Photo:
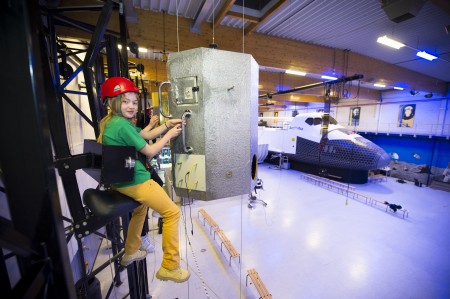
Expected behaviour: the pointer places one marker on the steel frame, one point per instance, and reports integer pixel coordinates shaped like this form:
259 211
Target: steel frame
36 235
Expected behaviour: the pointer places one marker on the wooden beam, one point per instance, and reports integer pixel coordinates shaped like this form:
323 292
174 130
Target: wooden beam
201 15
247 18
273 9
154 70
223 11
270 82
442 4
296 98
266 50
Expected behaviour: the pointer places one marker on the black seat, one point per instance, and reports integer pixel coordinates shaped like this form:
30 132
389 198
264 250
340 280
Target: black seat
108 203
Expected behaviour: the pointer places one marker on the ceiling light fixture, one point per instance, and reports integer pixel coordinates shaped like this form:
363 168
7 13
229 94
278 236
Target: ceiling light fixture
120 47
328 77
379 85
390 42
426 55
398 88
297 73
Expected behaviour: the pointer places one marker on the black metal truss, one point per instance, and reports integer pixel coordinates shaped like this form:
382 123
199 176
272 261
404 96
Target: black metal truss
26 156
35 209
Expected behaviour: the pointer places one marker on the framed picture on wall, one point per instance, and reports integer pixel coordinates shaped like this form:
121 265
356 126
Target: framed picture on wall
406 115
355 113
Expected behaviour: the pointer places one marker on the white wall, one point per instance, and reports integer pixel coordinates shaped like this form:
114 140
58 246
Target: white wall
431 115
368 113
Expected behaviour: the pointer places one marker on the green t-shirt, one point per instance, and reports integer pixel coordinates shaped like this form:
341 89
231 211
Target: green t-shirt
119 131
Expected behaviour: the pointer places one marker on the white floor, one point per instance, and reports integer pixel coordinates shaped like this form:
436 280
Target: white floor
309 243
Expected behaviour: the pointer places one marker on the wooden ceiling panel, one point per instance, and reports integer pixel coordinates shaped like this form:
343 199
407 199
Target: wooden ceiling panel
267 51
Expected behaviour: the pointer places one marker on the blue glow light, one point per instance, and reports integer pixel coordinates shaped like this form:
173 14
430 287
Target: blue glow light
426 55
328 77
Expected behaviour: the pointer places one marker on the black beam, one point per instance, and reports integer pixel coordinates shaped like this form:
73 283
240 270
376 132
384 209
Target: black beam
314 85
84 116
65 21
123 41
73 53
5 283
58 128
65 41
100 78
88 160
15 241
32 284
117 244
26 152
89 60
83 222
97 36
53 50
87 226
112 56
105 264
79 93
78 8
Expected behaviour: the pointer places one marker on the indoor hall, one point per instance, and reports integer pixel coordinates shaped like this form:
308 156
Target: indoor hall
310 242
228 96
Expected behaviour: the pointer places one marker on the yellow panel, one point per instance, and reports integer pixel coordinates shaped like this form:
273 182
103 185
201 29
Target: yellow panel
155 99
190 172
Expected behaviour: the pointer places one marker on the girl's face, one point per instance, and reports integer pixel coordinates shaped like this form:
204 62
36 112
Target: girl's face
129 104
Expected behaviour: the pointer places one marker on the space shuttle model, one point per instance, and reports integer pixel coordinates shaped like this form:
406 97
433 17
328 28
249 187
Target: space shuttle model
327 150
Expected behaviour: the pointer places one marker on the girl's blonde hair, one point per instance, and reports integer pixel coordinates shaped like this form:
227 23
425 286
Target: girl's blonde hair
114 104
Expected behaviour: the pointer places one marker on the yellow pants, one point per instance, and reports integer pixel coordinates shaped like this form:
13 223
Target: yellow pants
151 195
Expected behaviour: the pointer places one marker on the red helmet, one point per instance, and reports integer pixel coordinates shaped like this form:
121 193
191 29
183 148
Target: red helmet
117 85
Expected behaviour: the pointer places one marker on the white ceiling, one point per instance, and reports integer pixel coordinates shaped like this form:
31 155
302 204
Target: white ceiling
354 25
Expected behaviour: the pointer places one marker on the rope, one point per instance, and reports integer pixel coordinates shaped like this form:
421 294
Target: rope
213 21
354 126
178 36
199 272
154 243
188 242
243 26
241 241
110 264
242 252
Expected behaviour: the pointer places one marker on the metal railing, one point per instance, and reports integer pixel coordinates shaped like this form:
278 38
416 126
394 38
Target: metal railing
429 130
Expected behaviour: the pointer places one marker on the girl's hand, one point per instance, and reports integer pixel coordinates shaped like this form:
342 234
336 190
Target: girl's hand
173 122
174 132
154 120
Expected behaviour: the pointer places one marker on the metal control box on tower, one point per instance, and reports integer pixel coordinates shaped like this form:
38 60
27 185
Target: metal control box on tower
216 92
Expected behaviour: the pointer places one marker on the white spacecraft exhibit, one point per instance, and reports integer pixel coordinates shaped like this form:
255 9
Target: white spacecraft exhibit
216 93
329 150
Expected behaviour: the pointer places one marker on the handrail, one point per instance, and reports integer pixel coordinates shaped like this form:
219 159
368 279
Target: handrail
186 114
160 99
